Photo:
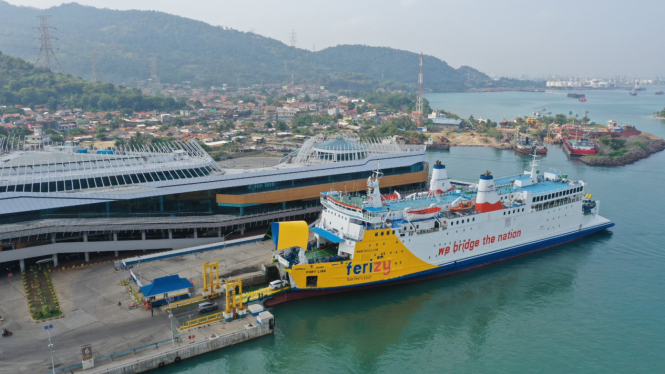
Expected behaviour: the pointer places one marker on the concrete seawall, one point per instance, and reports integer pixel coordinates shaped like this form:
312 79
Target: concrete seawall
175 355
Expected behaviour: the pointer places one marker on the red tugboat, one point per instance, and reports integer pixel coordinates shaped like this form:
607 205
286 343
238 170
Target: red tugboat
582 99
579 147
659 92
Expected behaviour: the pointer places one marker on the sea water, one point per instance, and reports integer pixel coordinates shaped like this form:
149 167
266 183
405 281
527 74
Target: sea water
596 305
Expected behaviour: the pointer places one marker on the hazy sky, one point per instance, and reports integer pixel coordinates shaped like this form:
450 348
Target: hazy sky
498 37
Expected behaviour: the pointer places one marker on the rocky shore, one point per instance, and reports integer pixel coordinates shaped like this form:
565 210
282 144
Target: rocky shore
636 148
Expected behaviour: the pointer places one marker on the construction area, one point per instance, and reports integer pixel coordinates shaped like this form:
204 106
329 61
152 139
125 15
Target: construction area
105 314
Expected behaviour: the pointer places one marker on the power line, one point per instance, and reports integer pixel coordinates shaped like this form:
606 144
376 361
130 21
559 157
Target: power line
47 58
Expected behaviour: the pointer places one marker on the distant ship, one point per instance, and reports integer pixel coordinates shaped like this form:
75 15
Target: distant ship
633 93
575 95
523 145
659 92
579 147
540 148
582 99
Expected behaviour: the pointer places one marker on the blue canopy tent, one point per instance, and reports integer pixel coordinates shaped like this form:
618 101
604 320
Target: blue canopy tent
169 288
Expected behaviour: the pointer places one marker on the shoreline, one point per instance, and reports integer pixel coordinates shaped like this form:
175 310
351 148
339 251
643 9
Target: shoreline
637 147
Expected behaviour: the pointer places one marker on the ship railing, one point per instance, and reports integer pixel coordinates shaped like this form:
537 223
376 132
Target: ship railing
546 192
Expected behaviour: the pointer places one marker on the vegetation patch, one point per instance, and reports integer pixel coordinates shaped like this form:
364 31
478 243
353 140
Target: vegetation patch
618 153
39 290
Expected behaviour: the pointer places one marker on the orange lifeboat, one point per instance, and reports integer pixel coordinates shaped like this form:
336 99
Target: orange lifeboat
463 206
418 214
392 196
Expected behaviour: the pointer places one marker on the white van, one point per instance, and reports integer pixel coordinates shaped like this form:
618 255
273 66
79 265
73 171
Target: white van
275 285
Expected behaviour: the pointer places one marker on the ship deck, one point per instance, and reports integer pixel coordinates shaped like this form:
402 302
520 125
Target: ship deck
504 185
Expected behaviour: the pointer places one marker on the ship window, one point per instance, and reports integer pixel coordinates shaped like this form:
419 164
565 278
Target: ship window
381 233
467 220
376 234
504 213
474 219
312 281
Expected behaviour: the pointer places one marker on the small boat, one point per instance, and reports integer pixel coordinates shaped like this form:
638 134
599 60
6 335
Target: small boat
582 99
659 92
418 214
540 148
463 206
633 93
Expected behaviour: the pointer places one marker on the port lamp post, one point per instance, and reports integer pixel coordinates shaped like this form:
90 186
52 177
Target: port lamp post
171 319
50 345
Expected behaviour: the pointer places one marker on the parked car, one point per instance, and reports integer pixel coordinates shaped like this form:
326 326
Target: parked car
276 285
207 306
44 261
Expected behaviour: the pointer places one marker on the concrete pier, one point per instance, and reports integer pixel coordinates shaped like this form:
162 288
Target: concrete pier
214 337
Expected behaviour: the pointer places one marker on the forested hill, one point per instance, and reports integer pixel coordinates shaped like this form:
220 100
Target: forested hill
189 50
23 83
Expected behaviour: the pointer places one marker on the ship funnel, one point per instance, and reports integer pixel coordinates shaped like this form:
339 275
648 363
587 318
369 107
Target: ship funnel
439 179
487 200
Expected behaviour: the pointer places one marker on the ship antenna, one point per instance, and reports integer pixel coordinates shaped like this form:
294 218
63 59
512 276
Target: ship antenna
534 164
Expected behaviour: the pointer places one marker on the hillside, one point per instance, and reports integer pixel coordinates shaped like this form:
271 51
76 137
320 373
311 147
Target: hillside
21 83
189 50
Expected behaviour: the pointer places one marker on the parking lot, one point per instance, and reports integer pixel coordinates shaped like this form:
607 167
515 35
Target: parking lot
89 298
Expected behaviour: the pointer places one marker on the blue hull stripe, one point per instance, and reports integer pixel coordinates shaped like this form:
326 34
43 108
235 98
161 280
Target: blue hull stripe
475 261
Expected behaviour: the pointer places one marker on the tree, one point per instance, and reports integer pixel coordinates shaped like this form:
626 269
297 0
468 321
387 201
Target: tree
281 125
560 119
100 132
137 140
75 131
177 123
267 125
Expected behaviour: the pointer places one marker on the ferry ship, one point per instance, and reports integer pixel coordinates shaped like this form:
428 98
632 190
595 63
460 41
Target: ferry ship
376 240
